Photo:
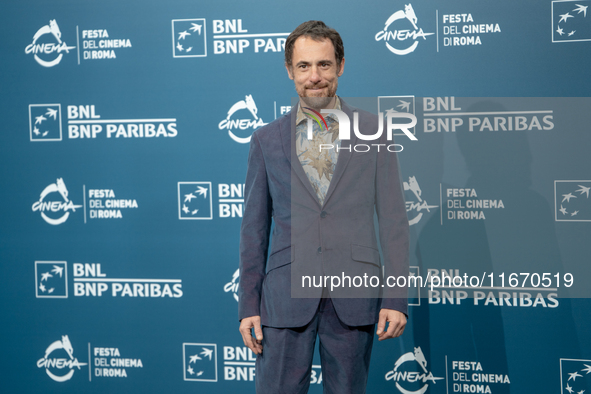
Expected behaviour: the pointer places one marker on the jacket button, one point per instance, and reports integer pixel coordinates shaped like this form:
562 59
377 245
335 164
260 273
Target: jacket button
323 214
319 251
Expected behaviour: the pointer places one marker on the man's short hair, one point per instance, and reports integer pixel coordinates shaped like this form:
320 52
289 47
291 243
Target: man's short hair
317 31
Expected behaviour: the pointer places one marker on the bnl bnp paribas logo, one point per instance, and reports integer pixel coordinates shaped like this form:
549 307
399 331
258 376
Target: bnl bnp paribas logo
399 106
195 200
45 122
570 22
47 46
51 279
575 376
84 123
200 362
230 36
59 361
401 32
189 38
571 201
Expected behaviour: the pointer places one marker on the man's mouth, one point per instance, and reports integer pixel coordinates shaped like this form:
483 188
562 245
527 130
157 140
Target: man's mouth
316 89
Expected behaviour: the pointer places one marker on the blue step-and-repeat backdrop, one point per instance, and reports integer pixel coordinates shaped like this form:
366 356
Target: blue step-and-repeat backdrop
125 130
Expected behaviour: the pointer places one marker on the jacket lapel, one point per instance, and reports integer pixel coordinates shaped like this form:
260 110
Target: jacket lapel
344 155
287 129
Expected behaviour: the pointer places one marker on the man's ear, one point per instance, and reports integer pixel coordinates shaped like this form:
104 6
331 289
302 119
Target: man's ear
289 71
341 68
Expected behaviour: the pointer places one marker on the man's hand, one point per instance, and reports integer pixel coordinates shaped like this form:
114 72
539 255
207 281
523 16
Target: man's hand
246 326
397 322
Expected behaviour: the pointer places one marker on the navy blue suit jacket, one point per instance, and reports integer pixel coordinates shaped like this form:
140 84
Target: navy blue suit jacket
337 238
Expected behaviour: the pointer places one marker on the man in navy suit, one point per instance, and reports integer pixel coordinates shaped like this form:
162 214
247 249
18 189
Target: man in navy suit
321 196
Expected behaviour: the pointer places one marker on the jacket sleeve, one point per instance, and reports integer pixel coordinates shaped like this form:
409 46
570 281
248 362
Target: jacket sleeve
254 232
393 228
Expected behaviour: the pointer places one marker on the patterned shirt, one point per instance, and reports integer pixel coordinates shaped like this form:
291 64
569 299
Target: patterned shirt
318 165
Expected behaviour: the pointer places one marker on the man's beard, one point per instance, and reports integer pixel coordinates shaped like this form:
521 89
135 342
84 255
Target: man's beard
317 102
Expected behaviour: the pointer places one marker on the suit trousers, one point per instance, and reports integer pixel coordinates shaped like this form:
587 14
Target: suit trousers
285 366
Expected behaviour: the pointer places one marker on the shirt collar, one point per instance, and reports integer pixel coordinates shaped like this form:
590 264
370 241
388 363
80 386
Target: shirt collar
301 116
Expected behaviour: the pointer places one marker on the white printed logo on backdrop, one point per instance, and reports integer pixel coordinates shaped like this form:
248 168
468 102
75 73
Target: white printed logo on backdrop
571 201
51 279
412 375
414 201
59 361
401 33
45 122
54 205
245 122
194 199
230 36
189 38
570 22
84 122
200 362
408 378
47 46
575 376
232 286
392 104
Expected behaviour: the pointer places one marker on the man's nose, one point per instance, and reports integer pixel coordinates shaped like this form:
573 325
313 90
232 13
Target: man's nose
315 75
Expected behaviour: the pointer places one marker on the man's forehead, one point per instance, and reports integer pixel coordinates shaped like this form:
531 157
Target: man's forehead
306 45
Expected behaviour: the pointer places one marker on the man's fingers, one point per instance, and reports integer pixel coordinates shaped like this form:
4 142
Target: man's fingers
400 330
387 334
381 323
401 326
396 323
258 332
247 338
246 326
392 329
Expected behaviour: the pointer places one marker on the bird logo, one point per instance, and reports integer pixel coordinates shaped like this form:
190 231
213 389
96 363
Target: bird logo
200 361
45 122
189 38
51 279
576 375
572 200
572 22
194 200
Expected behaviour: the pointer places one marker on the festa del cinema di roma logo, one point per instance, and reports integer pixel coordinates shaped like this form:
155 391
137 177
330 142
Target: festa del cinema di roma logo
397 31
54 361
414 382
47 46
236 125
47 204
417 203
